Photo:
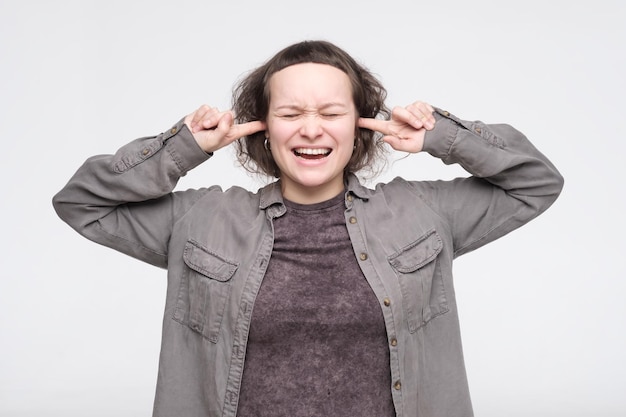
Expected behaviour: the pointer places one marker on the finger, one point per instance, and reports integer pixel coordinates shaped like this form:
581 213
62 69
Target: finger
376 125
211 119
422 106
190 119
223 126
246 129
413 145
399 144
216 137
424 112
199 115
427 111
403 115
393 141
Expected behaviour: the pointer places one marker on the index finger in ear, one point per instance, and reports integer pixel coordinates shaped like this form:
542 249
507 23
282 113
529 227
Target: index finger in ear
248 128
373 124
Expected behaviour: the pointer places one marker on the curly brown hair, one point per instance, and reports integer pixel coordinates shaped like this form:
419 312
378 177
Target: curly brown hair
251 100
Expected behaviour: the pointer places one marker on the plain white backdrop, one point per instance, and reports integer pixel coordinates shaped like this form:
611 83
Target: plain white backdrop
542 310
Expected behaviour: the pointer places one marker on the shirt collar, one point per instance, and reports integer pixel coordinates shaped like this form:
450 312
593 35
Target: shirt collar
271 194
354 187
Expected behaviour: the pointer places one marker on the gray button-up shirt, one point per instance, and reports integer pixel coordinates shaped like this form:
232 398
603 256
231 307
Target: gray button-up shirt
216 246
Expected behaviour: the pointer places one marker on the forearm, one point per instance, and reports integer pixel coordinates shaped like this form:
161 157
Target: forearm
512 182
498 153
112 199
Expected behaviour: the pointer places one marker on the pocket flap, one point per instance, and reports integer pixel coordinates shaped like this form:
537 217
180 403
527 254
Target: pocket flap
417 254
207 263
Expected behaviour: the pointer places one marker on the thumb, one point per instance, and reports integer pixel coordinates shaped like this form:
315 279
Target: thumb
393 141
224 124
413 144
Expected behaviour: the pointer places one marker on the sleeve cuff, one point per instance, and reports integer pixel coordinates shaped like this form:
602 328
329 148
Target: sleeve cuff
439 141
183 148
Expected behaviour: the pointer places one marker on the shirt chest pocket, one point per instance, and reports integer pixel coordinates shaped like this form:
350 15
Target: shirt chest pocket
204 290
419 275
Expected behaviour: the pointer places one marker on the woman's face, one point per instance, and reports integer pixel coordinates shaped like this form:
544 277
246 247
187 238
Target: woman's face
311 124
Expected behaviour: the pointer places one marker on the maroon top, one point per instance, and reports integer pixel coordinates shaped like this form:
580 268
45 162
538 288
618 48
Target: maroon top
317 343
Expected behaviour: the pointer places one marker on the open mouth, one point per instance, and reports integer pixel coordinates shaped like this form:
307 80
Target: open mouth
308 153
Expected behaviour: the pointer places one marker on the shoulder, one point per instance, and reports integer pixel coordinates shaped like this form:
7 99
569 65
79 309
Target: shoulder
237 199
398 186
397 192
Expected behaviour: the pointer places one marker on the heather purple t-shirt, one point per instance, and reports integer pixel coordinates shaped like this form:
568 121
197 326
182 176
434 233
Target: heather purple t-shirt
317 343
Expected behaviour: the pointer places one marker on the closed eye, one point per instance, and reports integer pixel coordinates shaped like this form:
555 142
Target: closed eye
332 115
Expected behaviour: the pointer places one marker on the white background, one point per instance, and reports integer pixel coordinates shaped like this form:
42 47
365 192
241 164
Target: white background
542 310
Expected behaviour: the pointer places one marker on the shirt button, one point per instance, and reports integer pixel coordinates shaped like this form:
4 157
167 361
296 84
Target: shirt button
173 130
446 113
350 197
478 130
363 256
397 386
386 302
352 220
145 151
394 342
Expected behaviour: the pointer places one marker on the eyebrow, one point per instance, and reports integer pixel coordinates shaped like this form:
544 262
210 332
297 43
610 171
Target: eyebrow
322 107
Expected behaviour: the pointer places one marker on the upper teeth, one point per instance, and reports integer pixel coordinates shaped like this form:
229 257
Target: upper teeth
309 151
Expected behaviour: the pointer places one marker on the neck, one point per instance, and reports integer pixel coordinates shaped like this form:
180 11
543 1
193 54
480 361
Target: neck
310 195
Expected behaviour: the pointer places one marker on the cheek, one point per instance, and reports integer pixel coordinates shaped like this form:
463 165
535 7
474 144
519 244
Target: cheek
280 130
343 131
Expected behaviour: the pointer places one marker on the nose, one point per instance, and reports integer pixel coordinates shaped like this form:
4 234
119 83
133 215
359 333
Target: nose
311 127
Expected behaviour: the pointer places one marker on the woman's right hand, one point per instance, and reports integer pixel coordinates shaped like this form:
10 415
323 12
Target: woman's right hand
214 129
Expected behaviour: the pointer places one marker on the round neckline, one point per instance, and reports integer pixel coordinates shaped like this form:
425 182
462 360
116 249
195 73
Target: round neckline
331 203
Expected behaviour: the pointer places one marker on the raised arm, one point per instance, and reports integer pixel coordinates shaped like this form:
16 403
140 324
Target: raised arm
511 182
125 201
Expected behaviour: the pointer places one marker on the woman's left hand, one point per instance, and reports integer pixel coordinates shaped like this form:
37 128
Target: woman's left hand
406 129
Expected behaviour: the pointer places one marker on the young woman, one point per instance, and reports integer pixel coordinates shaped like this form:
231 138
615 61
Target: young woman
315 295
